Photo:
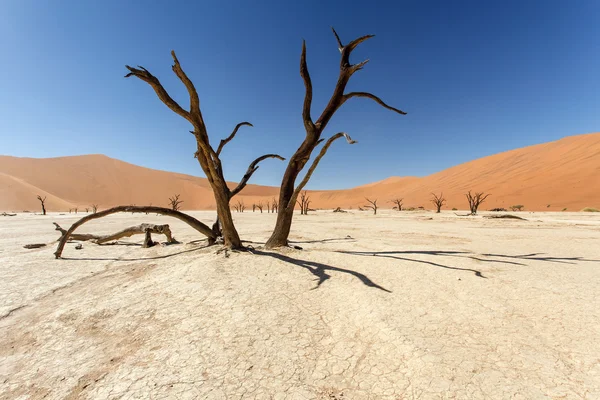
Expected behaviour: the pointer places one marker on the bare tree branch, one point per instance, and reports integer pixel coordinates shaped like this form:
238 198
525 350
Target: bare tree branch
308 123
143 74
315 163
230 137
339 41
189 85
251 169
372 97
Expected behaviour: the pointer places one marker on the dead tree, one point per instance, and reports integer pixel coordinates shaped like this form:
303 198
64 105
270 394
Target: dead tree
303 203
191 221
274 206
43 201
87 210
475 200
268 206
260 206
314 129
438 201
372 205
253 207
207 156
127 232
398 204
75 209
175 203
239 207
95 208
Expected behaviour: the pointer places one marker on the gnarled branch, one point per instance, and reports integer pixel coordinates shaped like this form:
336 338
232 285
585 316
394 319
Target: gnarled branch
308 123
230 137
189 85
315 163
251 169
372 97
143 74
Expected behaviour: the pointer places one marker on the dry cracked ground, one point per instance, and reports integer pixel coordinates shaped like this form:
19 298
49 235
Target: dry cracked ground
410 305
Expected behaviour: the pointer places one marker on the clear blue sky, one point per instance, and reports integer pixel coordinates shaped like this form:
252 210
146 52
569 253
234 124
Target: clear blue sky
476 78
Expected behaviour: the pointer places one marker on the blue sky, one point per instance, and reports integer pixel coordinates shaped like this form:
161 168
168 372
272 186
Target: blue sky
476 78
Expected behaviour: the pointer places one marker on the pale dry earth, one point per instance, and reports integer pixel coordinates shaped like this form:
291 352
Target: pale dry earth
545 177
402 305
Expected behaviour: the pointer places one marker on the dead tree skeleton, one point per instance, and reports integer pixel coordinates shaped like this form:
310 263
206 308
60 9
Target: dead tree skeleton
475 200
289 191
175 203
398 204
207 156
372 205
239 206
304 202
260 206
191 221
43 201
438 201
274 206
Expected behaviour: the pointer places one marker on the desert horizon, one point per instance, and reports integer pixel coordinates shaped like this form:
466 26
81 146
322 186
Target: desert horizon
551 176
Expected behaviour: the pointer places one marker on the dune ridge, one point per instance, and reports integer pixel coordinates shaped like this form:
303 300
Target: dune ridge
549 176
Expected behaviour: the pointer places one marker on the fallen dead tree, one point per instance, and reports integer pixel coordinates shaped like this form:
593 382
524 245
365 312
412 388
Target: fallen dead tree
127 232
191 221
505 216
8 215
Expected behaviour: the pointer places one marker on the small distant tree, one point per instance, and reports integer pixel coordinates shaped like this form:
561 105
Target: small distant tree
372 205
518 207
87 210
274 206
43 201
95 208
75 209
268 205
239 206
175 203
304 203
260 206
475 200
438 201
398 204
253 207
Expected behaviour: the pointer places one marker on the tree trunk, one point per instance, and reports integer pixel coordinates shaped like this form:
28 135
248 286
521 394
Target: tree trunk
280 234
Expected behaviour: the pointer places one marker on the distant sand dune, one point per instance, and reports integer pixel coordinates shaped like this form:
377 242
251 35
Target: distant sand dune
562 174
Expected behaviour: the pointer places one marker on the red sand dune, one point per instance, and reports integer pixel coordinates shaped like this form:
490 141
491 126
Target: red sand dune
562 174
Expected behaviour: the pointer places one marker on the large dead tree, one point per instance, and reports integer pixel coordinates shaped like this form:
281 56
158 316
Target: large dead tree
191 221
314 129
438 201
175 203
43 201
207 156
304 202
398 204
475 200
372 205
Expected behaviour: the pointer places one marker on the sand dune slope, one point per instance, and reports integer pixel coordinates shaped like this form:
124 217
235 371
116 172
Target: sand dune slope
549 176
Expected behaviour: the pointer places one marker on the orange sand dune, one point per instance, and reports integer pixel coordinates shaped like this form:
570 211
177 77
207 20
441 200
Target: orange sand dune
562 174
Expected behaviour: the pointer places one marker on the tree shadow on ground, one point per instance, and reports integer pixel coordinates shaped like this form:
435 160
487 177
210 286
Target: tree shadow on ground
134 259
394 255
344 239
540 257
320 270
